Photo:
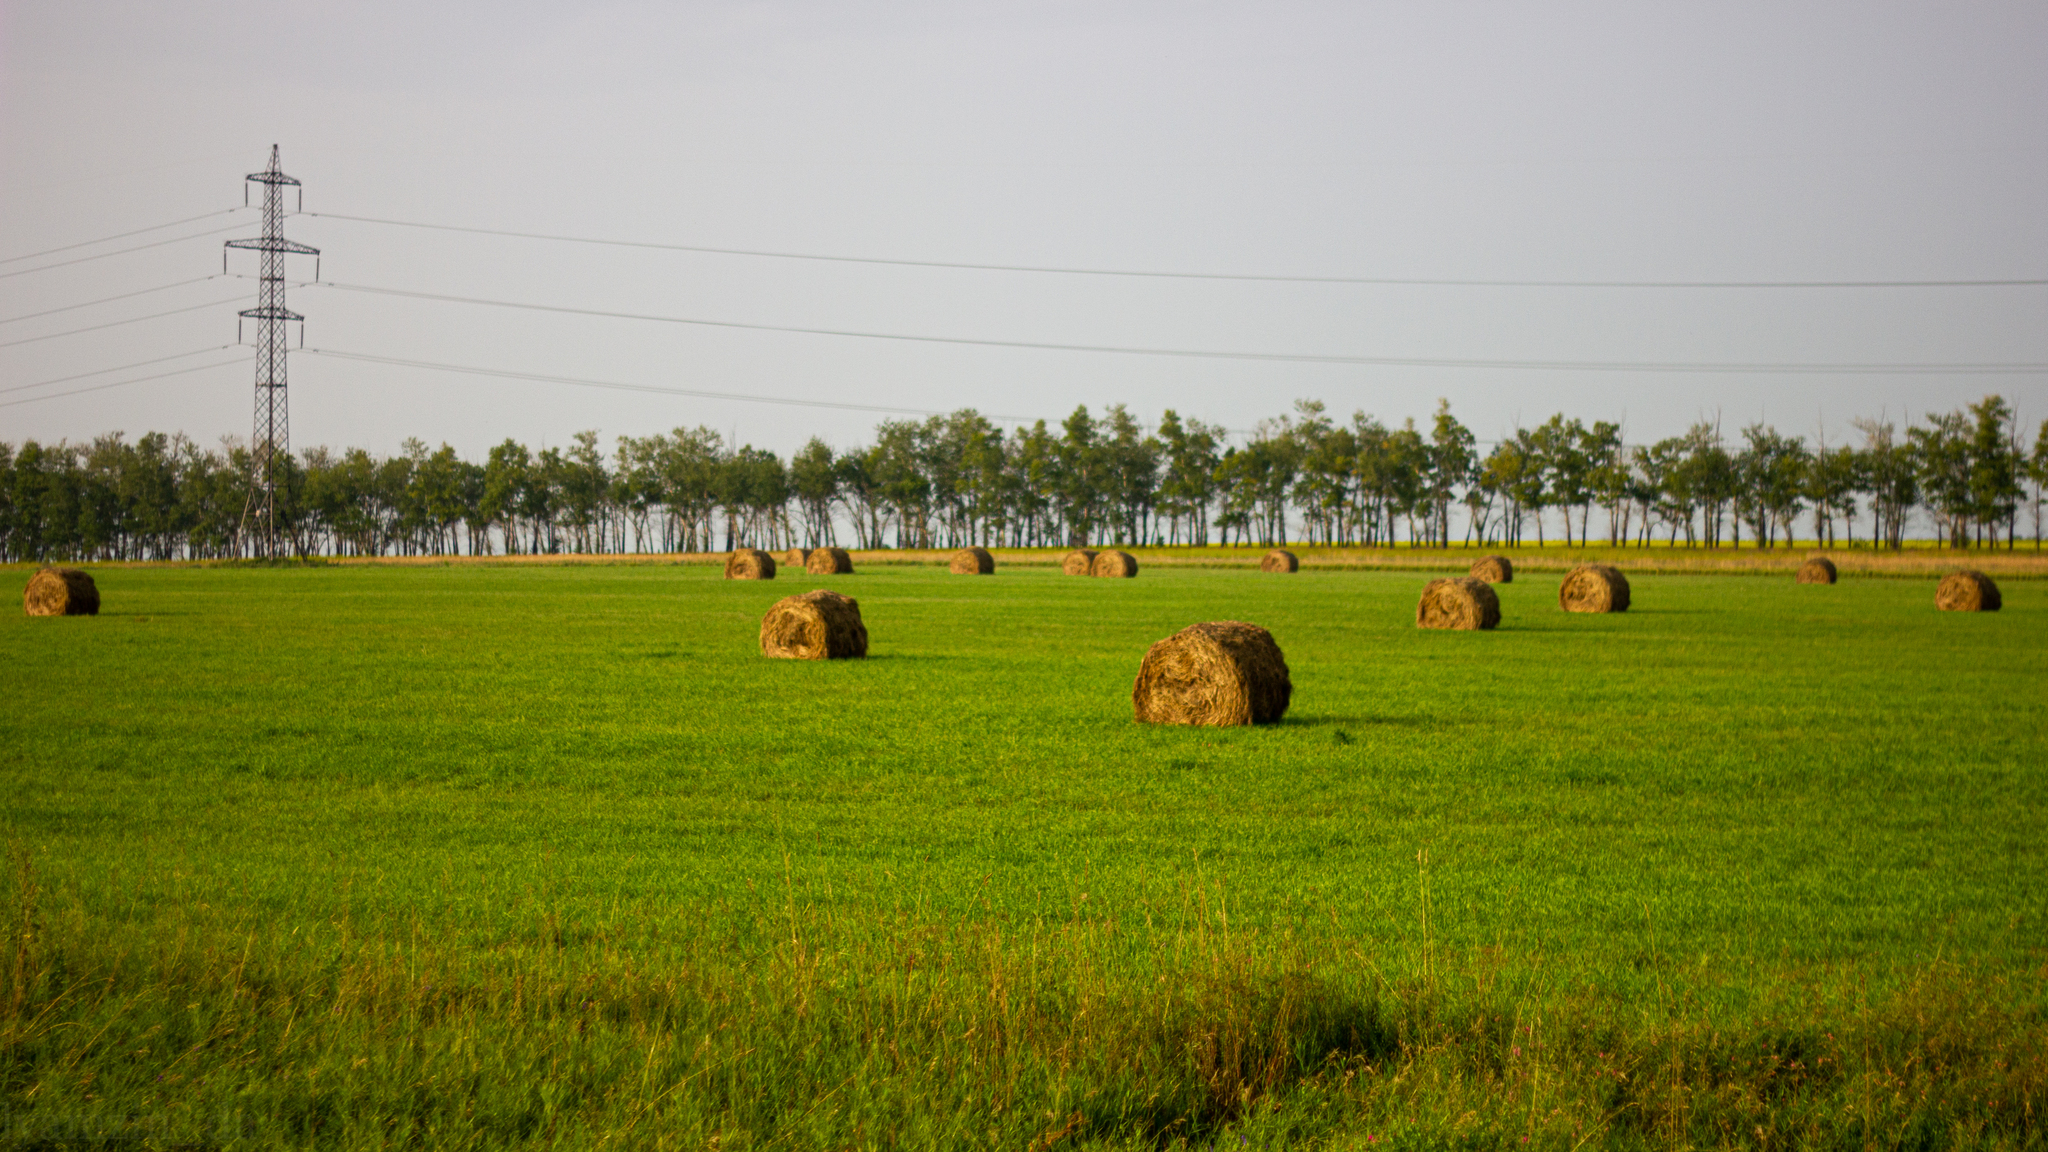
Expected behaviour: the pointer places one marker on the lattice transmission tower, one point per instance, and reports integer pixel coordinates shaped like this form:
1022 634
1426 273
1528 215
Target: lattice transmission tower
270 447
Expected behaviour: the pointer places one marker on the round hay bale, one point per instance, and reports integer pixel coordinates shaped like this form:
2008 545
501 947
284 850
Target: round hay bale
1593 588
796 557
1462 602
1114 564
1816 570
1967 591
1493 570
972 562
1079 562
828 562
61 592
1280 560
816 625
749 564
1219 674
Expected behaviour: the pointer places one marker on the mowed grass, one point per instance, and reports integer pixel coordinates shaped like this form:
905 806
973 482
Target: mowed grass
471 856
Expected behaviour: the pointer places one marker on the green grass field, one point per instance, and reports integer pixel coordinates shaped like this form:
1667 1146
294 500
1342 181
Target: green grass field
475 856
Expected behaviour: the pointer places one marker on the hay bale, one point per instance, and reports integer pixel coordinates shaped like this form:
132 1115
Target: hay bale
749 564
1593 588
796 557
972 562
1079 562
61 592
1461 602
1967 591
817 625
828 562
1816 570
1493 570
1119 564
1218 674
1280 560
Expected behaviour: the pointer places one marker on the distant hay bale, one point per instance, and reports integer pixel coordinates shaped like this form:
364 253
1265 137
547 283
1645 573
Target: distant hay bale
1967 591
1816 570
61 592
816 625
828 562
1114 563
1461 602
1593 588
1219 674
1280 560
972 562
1080 562
749 564
1493 570
796 557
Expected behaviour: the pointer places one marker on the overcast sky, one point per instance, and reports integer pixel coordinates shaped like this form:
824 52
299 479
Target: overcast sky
1627 141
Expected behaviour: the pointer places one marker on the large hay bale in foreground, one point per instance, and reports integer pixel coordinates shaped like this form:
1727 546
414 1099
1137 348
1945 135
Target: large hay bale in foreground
1967 591
1593 588
1493 570
61 592
796 557
749 564
972 562
828 562
1462 602
1816 570
817 625
1112 563
1217 674
1079 562
1280 560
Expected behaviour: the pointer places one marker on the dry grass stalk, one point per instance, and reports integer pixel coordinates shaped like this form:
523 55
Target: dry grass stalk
1079 562
1816 570
1115 564
1593 588
796 557
828 562
1461 602
61 592
1280 560
972 562
816 625
749 564
1493 570
1219 674
1967 591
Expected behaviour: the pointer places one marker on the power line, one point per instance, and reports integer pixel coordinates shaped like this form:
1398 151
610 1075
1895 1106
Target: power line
117 236
1268 357
119 323
124 383
117 252
1066 271
104 371
110 299
586 383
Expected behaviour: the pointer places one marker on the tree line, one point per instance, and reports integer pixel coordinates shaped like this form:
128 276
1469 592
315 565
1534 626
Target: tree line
959 479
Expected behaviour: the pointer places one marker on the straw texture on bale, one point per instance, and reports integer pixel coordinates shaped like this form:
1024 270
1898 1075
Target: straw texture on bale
828 562
1967 591
1114 564
796 557
1593 588
1493 570
1461 602
749 564
1816 570
817 625
1079 562
1280 560
972 562
61 592
1219 674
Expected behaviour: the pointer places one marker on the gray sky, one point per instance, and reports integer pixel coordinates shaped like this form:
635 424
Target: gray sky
1744 142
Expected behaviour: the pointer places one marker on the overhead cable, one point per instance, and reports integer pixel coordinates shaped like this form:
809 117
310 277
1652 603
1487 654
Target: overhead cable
125 383
1068 271
119 323
110 299
118 252
118 236
1268 357
122 368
